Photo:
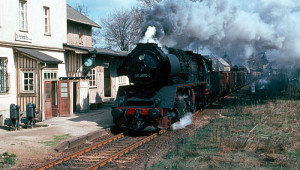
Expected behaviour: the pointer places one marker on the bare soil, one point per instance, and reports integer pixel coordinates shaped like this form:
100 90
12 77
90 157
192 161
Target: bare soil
31 152
33 147
155 151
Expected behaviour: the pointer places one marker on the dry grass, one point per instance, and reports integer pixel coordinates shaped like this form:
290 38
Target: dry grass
256 133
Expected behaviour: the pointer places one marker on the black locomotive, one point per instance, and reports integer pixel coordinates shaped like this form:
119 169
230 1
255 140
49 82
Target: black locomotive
165 84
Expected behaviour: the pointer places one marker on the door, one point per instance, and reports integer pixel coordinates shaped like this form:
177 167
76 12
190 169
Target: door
82 96
54 98
74 97
64 98
48 100
107 83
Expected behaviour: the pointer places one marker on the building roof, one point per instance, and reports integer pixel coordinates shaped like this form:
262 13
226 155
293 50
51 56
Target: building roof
222 61
218 63
39 55
75 16
97 51
102 51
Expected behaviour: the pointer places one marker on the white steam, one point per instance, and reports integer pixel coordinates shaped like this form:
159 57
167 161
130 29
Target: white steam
149 35
238 28
262 83
183 122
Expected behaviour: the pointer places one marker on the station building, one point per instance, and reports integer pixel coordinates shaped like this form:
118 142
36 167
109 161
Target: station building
43 47
32 34
88 69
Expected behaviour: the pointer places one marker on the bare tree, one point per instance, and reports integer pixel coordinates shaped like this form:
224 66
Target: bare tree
149 3
81 8
96 36
121 29
138 17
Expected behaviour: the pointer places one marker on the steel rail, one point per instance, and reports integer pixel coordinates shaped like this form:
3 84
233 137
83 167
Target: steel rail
124 151
75 154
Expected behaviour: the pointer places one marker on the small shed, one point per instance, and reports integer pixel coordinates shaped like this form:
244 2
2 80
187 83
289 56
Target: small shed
102 86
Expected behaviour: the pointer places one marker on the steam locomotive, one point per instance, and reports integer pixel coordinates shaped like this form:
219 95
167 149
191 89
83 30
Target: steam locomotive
166 83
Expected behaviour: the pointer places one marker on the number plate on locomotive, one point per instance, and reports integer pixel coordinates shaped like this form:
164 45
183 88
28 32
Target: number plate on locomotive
142 75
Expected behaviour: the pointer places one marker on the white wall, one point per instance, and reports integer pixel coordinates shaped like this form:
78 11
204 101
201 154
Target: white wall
10 97
58 21
61 67
53 43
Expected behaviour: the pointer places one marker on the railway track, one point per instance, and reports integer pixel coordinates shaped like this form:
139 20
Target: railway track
99 154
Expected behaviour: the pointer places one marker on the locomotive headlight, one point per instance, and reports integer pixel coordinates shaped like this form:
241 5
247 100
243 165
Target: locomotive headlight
121 101
142 57
156 102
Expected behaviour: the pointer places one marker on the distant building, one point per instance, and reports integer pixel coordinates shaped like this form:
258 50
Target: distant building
258 62
88 68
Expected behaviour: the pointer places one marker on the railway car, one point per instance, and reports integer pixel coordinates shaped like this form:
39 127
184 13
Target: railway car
235 79
166 83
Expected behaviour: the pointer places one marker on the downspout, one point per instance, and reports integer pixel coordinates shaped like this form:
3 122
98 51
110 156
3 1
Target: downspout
41 96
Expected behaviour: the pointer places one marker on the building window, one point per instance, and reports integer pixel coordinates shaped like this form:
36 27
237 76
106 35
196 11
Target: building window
92 75
47 20
22 15
28 81
50 76
122 79
3 75
64 90
80 34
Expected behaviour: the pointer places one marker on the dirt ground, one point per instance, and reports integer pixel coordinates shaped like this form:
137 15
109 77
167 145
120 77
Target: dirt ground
31 148
154 151
34 146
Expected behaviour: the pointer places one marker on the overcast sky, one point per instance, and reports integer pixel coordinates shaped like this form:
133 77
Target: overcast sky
101 8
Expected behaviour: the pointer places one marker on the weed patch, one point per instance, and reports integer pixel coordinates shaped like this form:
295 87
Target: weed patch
7 160
257 133
56 140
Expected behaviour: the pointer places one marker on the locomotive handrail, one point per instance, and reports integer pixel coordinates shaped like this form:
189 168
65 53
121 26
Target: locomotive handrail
192 84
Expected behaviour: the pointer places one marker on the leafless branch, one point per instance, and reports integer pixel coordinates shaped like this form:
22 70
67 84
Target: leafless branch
121 28
81 8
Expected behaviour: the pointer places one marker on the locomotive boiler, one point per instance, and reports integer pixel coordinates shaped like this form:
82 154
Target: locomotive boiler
165 83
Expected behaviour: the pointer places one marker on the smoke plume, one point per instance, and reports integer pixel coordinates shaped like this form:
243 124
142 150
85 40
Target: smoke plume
183 122
237 28
262 83
149 35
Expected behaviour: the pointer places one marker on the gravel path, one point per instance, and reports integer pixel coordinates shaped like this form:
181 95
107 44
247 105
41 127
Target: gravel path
28 144
32 146
155 151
